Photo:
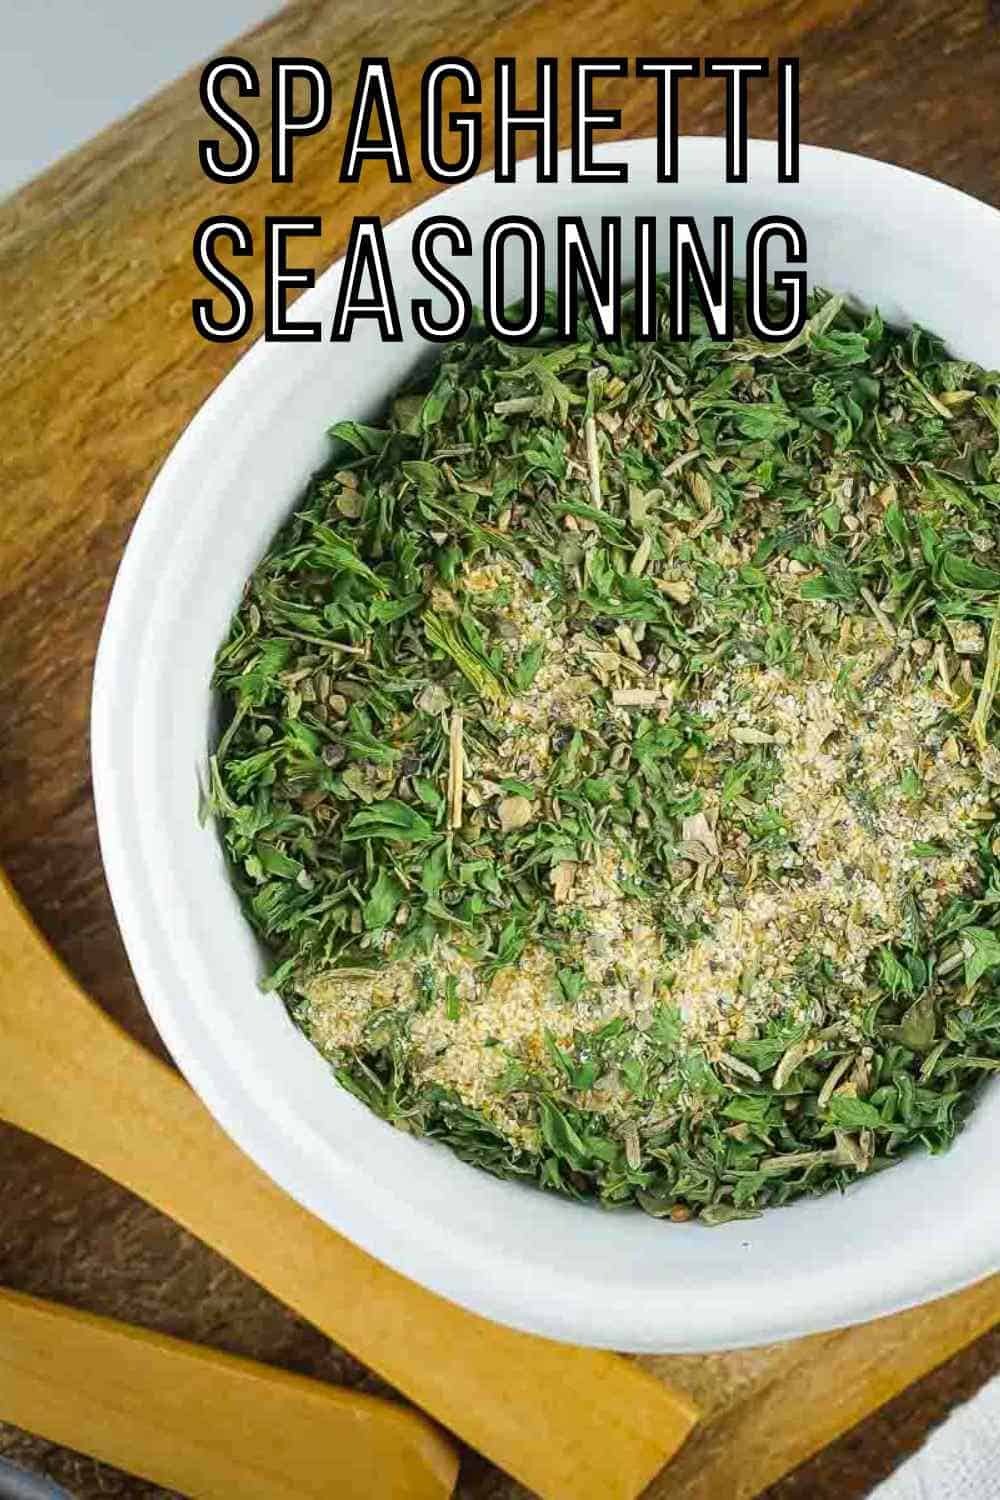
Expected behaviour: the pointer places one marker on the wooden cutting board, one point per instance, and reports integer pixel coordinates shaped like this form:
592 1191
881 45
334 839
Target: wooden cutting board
99 372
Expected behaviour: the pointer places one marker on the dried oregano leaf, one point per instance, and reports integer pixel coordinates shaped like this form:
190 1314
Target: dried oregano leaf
610 757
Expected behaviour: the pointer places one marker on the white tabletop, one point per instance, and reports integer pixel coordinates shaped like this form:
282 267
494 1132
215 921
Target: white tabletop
68 68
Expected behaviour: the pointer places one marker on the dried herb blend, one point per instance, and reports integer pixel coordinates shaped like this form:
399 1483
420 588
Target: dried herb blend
611 759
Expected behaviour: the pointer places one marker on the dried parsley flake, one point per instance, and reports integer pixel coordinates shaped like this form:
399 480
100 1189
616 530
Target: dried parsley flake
611 759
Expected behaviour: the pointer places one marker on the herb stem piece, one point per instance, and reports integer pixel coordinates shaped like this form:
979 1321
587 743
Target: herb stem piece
989 685
885 624
456 778
593 462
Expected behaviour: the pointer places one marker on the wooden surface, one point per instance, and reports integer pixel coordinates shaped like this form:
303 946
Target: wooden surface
574 1424
209 1424
99 372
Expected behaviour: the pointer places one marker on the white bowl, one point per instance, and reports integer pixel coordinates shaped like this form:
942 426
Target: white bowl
922 252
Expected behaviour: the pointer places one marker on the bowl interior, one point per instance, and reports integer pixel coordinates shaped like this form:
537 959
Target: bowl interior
921 252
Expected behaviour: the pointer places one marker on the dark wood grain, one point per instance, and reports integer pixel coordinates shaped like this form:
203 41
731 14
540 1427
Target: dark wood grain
100 371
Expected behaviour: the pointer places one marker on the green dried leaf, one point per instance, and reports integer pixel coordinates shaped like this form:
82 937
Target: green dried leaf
383 901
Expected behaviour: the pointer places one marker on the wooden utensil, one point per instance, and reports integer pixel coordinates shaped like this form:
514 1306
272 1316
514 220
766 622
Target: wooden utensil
571 1424
208 1424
